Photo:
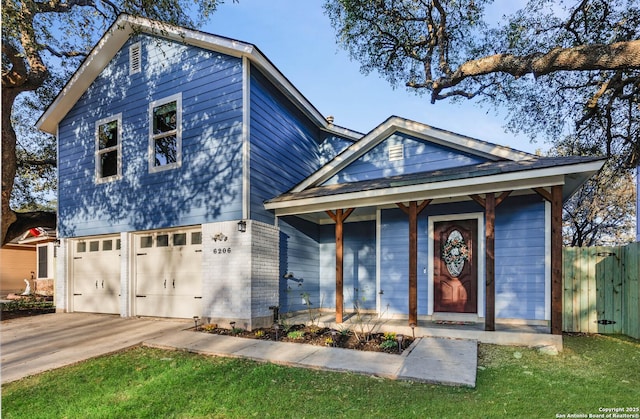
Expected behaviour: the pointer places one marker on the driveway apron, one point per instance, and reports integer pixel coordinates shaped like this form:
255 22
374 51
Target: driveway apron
31 345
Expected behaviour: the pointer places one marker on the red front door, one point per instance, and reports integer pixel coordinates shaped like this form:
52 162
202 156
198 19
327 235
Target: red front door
455 273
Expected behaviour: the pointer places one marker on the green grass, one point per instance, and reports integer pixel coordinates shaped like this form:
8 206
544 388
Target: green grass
592 372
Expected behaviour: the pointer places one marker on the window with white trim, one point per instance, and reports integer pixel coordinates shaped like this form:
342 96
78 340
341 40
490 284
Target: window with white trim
165 133
109 148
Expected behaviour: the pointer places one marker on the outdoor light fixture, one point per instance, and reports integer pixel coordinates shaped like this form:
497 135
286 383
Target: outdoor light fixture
413 331
334 336
276 312
242 226
276 327
195 320
399 338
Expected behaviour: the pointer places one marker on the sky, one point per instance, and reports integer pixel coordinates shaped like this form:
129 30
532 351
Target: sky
298 38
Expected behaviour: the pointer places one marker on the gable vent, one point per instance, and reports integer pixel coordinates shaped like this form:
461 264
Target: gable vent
135 61
396 152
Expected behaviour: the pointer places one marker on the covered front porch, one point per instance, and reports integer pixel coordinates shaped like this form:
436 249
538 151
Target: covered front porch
462 229
425 201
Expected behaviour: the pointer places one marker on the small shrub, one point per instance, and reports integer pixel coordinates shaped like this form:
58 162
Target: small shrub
390 336
209 327
295 334
388 344
329 341
259 333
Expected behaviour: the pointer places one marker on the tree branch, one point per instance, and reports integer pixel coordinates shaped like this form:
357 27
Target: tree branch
617 56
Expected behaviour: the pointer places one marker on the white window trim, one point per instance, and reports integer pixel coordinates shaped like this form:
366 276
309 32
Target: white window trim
118 148
173 98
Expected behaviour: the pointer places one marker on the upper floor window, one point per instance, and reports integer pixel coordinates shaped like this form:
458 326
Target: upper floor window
165 136
109 148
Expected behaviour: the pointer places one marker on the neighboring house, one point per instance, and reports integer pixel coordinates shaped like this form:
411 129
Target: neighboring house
30 257
196 180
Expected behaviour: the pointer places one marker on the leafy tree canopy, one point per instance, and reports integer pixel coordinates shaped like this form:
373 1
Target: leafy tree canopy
565 70
43 42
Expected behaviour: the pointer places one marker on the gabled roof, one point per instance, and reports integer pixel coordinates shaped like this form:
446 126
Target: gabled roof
395 124
502 175
126 25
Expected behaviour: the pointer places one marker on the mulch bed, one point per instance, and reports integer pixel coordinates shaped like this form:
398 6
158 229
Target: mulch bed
26 306
15 314
320 336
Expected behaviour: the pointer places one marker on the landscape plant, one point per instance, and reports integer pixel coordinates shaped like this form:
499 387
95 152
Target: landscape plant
365 324
296 334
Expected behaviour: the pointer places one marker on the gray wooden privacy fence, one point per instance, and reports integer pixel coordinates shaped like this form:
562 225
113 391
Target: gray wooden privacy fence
601 292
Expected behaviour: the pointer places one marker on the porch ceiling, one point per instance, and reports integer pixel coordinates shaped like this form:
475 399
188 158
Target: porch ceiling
453 184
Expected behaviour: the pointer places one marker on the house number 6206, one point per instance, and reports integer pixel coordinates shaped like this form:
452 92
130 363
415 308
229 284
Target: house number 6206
222 251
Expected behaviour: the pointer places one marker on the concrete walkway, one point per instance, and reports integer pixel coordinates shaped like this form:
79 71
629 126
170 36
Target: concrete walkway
432 360
35 344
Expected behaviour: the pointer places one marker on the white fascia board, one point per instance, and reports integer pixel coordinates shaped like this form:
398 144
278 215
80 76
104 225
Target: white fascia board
415 129
90 68
119 33
526 179
352 153
408 193
460 142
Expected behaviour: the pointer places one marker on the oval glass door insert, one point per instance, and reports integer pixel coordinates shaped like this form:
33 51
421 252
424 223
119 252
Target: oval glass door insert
454 253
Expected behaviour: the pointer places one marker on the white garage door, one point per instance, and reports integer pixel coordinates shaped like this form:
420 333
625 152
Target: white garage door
96 275
169 273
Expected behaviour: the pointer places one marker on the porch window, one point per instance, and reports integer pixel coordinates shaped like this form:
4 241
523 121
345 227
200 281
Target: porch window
165 136
109 149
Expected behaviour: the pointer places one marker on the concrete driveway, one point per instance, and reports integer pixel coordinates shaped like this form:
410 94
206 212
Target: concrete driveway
31 345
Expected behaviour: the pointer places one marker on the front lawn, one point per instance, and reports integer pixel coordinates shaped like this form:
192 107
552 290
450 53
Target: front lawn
593 373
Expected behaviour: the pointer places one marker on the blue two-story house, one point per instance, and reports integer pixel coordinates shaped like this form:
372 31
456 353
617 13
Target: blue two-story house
196 180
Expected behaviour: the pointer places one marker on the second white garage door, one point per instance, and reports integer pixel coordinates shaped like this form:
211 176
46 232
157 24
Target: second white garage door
168 273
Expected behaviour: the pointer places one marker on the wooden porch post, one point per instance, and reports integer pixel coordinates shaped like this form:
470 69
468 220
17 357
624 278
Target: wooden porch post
490 285
339 218
413 210
489 203
555 197
556 260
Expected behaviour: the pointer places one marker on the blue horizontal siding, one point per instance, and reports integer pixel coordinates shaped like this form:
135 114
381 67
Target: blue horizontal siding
300 256
394 262
520 258
419 156
208 185
285 146
331 146
519 253
359 277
